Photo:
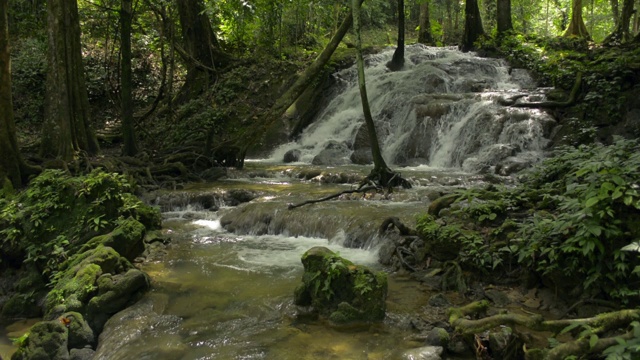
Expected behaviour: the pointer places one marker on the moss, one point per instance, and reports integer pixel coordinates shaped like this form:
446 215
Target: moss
126 239
21 306
46 340
340 290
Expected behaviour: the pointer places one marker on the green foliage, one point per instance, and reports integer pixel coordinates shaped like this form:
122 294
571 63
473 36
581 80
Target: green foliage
58 213
625 349
593 200
28 73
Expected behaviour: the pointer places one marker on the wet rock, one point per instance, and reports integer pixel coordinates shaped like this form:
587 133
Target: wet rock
292 155
437 337
511 165
80 334
441 203
361 156
340 290
423 353
505 344
47 341
458 346
499 298
333 154
438 300
114 293
81 354
239 196
214 173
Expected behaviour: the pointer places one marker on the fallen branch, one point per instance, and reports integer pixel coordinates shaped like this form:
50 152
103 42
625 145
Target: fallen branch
333 196
389 223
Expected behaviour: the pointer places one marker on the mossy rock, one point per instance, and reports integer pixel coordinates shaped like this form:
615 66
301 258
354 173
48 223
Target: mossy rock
21 306
78 283
47 340
440 203
80 334
340 290
127 239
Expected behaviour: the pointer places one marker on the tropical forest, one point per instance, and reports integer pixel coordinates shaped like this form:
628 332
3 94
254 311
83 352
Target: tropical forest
319 179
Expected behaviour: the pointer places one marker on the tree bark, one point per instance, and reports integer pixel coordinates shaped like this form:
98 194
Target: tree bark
576 25
472 25
424 34
615 11
504 16
67 127
378 161
201 52
10 159
130 147
397 61
621 33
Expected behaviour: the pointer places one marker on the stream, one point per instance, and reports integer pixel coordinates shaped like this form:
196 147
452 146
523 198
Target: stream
223 288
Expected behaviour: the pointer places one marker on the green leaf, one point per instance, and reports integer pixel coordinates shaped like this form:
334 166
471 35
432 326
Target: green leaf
593 340
634 246
628 200
569 328
591 201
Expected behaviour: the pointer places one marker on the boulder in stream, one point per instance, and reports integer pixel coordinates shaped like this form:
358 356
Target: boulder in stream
339 290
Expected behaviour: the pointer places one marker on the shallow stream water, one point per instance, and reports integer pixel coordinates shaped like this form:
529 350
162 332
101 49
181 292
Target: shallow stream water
223 295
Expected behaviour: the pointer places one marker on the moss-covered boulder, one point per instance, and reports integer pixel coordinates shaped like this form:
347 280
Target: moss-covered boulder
127 239
80 333
47 340
115 292
339 290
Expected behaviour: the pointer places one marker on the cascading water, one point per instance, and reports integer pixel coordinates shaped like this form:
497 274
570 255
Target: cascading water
442 110
223 289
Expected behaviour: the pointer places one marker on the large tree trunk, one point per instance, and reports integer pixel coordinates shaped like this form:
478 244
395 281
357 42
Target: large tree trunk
576 25
67 126
201 51
621 32
472 25
504 16
397 61
10 159
128 133
424 34
615 11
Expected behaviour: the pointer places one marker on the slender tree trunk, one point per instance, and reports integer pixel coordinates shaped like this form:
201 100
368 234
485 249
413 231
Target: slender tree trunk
10 159
472 25
448 33
615 11
621 33
380 174
128 131
67 126
424 34
504 16
397 61
576 25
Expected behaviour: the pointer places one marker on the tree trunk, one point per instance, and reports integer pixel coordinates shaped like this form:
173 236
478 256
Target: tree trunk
67 126
128 132
472 25
10 159
378 160
615 11
424 34
397 61
504 16
201 51
576 25
621 33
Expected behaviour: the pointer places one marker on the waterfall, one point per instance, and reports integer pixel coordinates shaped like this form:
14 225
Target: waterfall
442 110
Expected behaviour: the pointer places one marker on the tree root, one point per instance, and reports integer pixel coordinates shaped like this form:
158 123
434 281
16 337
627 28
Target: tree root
586 343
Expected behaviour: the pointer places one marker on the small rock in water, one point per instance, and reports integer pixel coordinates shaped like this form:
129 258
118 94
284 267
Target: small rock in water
423 353
292 155
439 300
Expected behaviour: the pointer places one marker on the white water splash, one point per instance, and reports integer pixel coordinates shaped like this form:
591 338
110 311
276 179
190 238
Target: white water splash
441 110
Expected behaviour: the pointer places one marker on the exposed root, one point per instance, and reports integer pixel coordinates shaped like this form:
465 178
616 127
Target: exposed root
333 196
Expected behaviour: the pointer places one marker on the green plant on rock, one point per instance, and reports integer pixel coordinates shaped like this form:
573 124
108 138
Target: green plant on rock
594 211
